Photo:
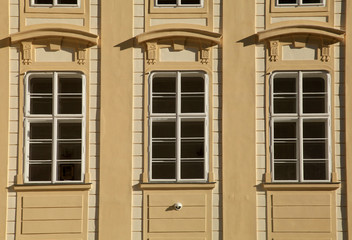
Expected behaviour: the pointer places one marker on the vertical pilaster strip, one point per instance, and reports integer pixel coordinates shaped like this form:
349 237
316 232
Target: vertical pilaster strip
4 116
348 114
115 190
239 126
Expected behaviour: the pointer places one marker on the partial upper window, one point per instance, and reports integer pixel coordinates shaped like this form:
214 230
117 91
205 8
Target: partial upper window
178 3
55 3
300 126
178 126
54 127
300 2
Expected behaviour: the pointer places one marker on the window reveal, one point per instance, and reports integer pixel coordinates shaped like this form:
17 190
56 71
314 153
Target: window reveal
178 126
300 126
54 127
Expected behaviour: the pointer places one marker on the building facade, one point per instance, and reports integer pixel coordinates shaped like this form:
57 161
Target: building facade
175 119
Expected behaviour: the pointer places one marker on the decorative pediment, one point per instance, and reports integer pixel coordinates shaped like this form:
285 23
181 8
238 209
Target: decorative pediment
183 40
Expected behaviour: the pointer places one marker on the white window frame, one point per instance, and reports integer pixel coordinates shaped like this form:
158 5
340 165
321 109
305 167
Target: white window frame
177 118
56 4
179 4
300 3
53 118
299 117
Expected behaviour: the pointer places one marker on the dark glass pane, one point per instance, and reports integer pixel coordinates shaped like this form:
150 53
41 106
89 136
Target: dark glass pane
164 150
192 103
68 130
311 1
314 150
166 1
192 149
70 85
287 1
314 129
192 84
285 85
69 150
69 171
40 131
192 129
43 1
313 84
40 151
70 105
39 172
285 130
40 85
184 2
285 104
164 84
314 170
192 170
285 171
41 105
164 105
163 170
164 130
285 150
314 103
67 1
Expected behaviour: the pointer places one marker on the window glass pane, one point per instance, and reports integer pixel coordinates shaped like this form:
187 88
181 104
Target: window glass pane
192 103
185 2
69 171
40 151
285 104
166 2
192 149
192 170
41 105
40 85
315 170
70 85
315 149
312 1
285 150
69 150
192 84
166 149
314 103
163 170
313 129
284 85
67 130
40 172
70 105
192 128
66 1
287 1
40 131
285 130
164 95
313 84
163 129
285 171
43 1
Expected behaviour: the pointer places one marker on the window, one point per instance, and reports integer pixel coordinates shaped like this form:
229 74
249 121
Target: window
55 3
178 3
54 127
300 126
300 2
178 132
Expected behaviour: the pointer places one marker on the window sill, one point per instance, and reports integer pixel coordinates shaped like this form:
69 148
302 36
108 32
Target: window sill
301 186
65 187
176 186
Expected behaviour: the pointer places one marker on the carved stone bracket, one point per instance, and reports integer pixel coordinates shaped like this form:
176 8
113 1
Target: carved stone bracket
274 51
205 55
325 53
151 52
27 55
81 56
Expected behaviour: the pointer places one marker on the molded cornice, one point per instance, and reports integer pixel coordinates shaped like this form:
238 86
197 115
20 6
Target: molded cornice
332 34
84 37
204 35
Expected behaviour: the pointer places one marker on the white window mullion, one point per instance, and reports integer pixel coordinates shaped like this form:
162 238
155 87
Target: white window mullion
178 126
54 152
26 150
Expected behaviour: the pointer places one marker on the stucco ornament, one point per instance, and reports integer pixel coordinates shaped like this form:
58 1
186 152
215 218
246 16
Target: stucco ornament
325 53
151 52
274 51
27 53
81 56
